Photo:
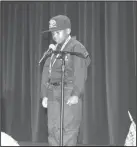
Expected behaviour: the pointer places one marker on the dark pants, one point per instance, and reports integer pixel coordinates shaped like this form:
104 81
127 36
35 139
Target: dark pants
72 118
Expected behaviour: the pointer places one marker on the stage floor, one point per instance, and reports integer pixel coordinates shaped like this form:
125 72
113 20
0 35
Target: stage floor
21 143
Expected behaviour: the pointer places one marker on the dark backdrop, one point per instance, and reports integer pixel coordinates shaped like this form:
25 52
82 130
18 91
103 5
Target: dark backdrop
108 31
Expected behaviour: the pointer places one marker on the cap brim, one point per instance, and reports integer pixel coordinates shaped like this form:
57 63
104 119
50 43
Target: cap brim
46 31
51 30
55 29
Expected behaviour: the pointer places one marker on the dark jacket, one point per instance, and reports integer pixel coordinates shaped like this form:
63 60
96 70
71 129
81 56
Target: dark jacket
75 68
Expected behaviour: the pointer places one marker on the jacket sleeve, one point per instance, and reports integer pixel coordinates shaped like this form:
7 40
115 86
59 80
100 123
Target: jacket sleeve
44 80
80 71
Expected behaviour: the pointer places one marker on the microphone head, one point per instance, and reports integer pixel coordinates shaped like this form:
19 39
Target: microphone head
52 46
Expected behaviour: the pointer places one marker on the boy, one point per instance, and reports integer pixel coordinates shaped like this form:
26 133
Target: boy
74 80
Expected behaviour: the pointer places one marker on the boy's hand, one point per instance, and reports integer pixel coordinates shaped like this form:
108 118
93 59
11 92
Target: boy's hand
45 102
72 100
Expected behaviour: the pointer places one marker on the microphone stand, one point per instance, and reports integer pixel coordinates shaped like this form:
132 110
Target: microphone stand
62 101
62 55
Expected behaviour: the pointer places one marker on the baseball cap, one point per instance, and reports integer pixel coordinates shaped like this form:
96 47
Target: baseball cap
59 22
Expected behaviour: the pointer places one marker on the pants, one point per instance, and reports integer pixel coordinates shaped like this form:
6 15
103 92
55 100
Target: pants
72 118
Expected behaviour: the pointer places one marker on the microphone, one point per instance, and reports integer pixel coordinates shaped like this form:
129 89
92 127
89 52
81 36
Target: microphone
51 48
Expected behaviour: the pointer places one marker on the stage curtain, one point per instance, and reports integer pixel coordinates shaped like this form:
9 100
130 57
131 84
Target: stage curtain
107 30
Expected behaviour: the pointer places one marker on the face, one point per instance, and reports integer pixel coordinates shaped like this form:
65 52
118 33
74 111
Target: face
60 36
